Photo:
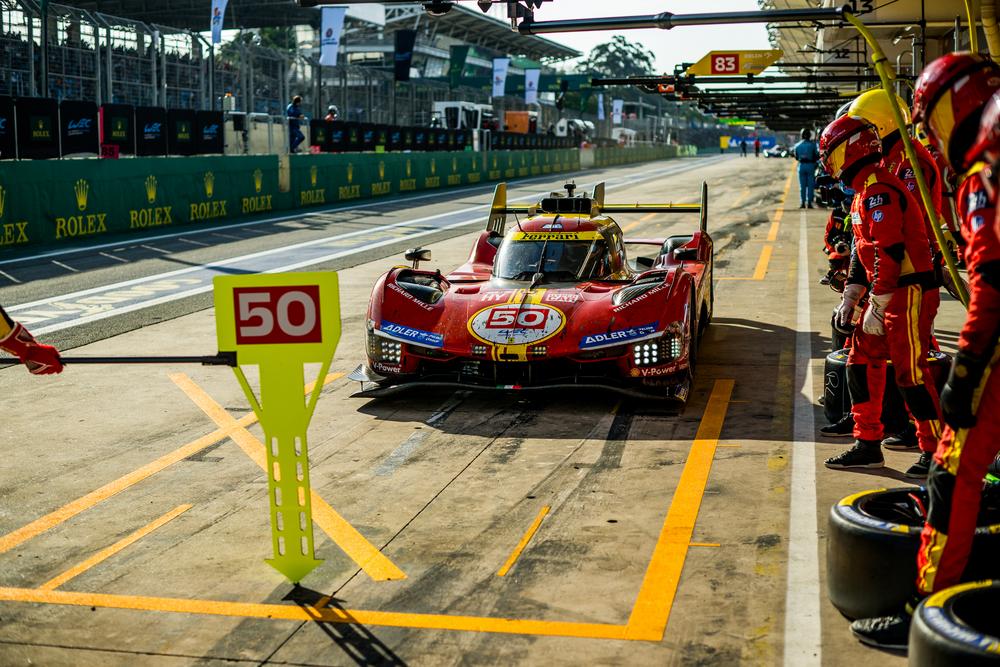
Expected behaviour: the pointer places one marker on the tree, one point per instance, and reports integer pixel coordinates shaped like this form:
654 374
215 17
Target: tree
619 58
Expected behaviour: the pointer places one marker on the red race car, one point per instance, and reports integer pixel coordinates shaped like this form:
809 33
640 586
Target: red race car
552 301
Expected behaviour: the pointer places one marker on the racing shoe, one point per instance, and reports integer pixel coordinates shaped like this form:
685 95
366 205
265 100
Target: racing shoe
920 469
905 440
864 454
841 429
885 632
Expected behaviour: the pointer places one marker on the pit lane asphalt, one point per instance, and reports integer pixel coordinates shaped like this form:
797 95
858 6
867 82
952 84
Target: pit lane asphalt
446 486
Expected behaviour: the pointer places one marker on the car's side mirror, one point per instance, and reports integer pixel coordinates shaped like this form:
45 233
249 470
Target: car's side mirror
685 254
417 255
644 262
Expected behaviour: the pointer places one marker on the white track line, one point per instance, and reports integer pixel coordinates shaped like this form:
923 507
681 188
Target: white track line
802 596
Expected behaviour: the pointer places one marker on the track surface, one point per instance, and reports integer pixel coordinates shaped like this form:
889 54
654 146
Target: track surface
133 520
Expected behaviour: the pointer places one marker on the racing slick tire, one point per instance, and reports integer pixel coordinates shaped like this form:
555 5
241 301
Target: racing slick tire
872 543
837 399
958 626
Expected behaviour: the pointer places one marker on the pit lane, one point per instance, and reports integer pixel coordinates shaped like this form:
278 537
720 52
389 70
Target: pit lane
133 523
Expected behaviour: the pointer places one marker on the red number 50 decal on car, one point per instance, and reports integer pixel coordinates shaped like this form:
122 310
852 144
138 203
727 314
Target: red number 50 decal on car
504 317
269 315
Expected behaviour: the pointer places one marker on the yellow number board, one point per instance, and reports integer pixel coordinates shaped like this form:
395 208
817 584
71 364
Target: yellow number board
734 63
280 322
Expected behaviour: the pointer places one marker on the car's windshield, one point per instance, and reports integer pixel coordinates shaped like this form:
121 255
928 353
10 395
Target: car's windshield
556 260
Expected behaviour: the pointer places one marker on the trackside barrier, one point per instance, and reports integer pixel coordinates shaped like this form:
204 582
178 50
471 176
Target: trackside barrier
606 157
52 204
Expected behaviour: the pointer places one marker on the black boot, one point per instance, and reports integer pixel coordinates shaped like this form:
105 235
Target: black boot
920 469
864 454
842 429
885 632
905 440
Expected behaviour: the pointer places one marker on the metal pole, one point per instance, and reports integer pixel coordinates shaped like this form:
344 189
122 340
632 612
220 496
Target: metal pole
45 48
163 68
211 77
667 20
32 84
152 66
110 68
220 359
958 29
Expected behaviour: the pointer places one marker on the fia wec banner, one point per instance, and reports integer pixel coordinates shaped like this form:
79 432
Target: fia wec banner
500 68
218 18
329 42
531 77
617 106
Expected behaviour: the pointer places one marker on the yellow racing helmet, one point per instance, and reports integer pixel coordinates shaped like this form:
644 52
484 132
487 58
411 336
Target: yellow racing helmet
874 106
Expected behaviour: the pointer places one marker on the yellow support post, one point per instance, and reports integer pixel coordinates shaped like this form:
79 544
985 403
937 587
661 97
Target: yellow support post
886 75
973 26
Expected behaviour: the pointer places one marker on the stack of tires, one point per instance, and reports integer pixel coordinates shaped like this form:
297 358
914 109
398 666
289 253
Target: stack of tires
872 546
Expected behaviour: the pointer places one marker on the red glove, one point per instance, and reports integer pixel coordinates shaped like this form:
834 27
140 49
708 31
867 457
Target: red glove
39 359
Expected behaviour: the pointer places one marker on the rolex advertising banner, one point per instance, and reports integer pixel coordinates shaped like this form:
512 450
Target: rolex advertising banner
329 43
218 17
600 106
500 67
531 85
617 107
405 40
37 128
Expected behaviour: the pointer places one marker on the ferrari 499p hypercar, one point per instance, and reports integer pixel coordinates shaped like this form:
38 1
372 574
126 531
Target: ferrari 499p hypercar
557 299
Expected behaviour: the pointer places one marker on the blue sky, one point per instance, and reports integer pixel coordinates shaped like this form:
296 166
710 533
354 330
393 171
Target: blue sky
684 44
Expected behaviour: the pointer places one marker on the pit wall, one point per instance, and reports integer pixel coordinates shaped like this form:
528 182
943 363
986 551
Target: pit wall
58 203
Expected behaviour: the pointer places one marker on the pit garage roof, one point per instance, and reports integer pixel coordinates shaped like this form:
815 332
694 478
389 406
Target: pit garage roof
463 23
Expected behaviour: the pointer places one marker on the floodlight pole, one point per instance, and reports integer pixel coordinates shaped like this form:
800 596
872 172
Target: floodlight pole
668 20
45 48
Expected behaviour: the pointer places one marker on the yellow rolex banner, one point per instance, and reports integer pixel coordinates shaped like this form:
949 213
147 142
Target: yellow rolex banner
734 63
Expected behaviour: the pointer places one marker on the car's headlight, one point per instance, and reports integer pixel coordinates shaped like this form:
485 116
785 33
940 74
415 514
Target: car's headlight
656 351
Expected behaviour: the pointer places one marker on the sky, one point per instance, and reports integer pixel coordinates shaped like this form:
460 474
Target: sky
683 44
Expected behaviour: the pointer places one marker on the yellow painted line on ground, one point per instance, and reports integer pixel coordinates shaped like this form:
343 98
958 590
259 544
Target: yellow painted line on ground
765 257
110 551
651 612
367 556
68 511
704 544
514 555
328 614
772 234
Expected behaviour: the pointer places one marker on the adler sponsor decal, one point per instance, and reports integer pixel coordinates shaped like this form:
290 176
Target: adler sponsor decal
411 335
618 337
516 324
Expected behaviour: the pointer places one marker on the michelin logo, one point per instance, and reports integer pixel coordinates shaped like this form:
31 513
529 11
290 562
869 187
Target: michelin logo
618 337
425 338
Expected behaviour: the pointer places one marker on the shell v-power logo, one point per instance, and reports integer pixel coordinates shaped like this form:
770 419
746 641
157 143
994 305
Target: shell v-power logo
208 210
152 215
259 202
84 224
11 233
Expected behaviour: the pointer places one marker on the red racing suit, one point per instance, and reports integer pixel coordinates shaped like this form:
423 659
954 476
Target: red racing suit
897 162
893 256
955 482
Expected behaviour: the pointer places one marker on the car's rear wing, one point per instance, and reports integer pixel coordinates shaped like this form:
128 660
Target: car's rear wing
593 206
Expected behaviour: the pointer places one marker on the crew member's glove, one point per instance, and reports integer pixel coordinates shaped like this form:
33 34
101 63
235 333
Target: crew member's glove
874 322
39 359
956 397
849 301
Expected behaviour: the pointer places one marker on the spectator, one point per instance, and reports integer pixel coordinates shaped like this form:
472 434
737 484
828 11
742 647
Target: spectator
743 147
295 117
756 146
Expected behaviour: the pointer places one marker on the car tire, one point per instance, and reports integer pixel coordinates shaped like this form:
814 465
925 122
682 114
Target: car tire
872 542
958 626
